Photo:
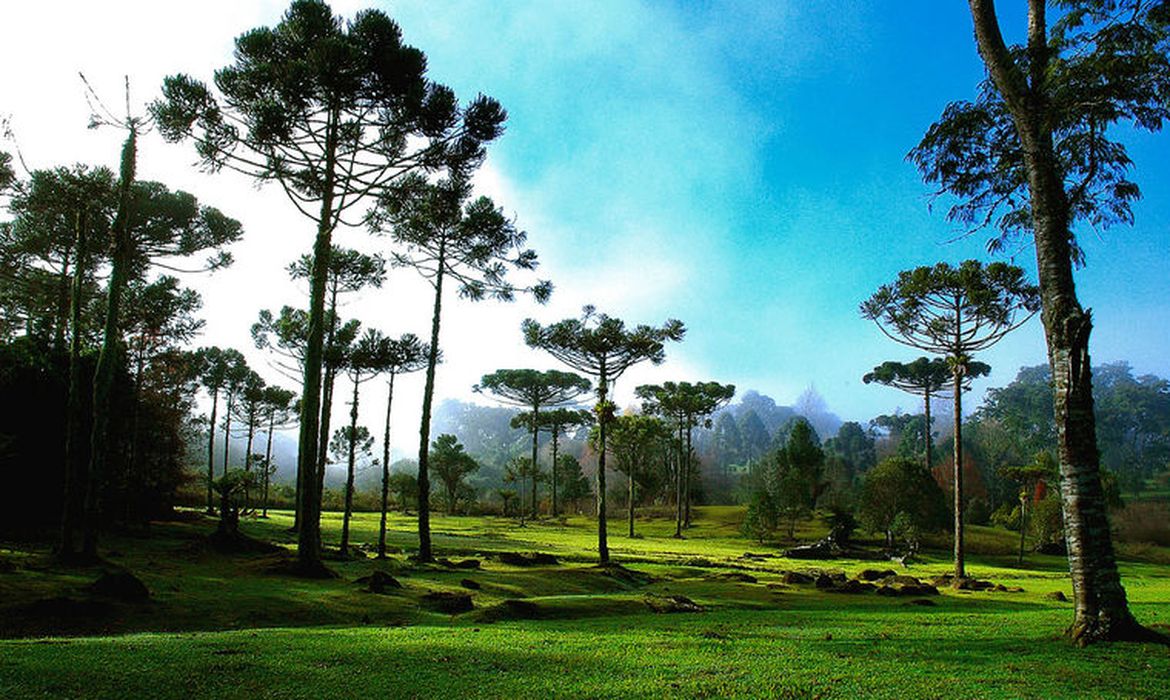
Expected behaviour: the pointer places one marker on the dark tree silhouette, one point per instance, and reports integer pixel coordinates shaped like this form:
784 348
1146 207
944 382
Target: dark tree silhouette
333 111
533 389
216 367
954 312
445 238
1035 155
601 347
926 378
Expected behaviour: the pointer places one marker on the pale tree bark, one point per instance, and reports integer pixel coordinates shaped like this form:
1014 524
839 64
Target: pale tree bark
1101 609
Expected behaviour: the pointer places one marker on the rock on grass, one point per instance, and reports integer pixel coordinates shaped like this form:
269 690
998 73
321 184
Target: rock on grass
672 604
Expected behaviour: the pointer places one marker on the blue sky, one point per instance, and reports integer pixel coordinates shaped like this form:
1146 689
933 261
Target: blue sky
740 166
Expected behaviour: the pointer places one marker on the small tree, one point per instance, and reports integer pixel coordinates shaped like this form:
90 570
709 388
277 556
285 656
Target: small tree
574 483
900 486
452 465
954 312
926 378
691 405
601 347
534 390
636 442
401 356
556 422
349 444
217 367
279 412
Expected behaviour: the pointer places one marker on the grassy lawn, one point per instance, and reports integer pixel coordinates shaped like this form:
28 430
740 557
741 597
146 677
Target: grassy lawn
227 626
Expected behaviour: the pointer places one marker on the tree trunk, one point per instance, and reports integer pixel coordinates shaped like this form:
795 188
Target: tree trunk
268 460
349 474
308 503
630 498
248 456
678 495
227 428
929 432
64 282
960 568
106 373
1102 611
211 451
535 436
385 471
424 431
602 395
327 399
687 480
555 436
75 405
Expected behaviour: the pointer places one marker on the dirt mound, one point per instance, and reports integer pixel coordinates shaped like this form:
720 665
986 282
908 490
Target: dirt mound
672 604
627 576
448 602
526 559
513 609
796 578
379 582
737 576
121 586
470 584
875 574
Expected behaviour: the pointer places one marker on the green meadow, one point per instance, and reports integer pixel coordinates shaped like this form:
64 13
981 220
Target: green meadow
236 626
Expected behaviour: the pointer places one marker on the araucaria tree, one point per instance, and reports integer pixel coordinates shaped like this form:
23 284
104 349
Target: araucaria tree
556 422
691 404
601 347
954 312
1036 154
333 111
366 359
448 239
534 390
926 378
402 356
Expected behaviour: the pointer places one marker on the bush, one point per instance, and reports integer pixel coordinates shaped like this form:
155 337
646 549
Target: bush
1007 516
1047 521
978 511
1146 522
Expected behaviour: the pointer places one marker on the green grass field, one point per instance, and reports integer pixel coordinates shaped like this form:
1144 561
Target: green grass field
228 626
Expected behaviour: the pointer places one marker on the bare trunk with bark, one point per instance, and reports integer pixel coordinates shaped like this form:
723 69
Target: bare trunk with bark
1101 609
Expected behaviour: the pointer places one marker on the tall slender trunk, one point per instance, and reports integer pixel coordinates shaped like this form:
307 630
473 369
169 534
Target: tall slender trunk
678 494
960 569
385 470
424 430
75 405
929 431
105 374
268 460
63 285
211 451
602 396
349 474
134 478
1101 609
555 436
227 428
252 418
687 479
327 396
308 504
630 498
535 435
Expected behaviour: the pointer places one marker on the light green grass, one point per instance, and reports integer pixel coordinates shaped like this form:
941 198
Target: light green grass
221 627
